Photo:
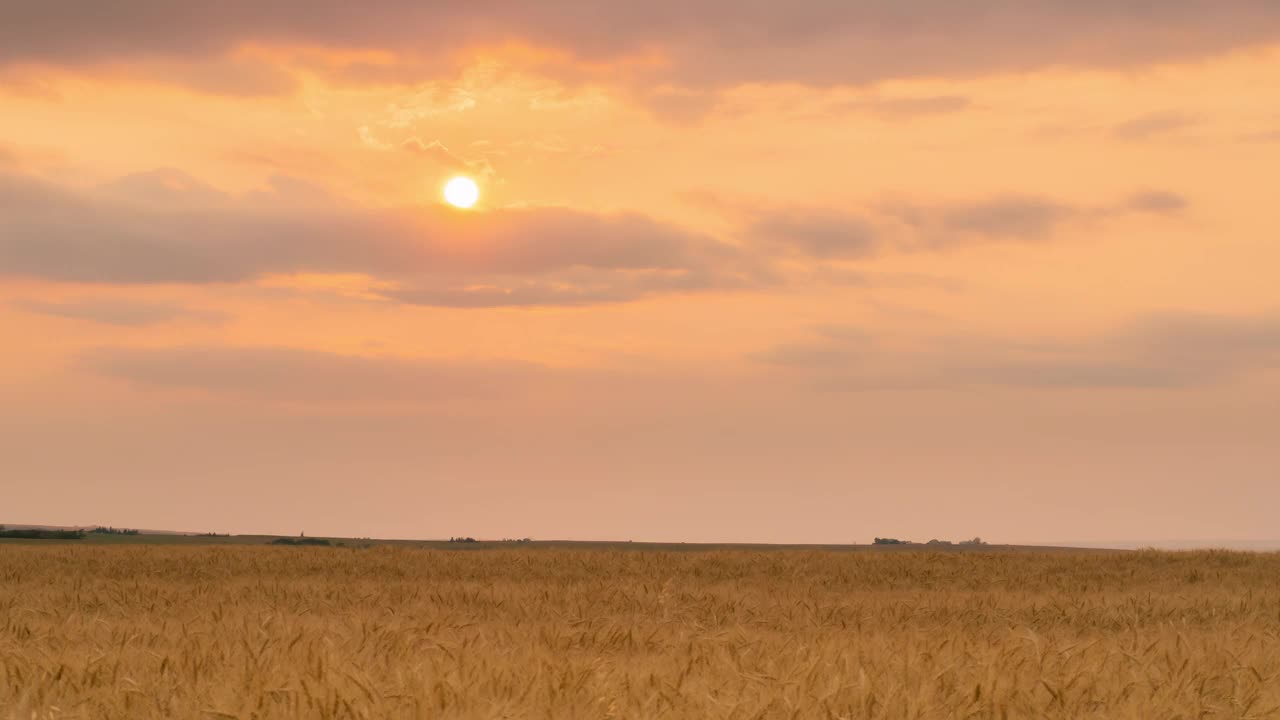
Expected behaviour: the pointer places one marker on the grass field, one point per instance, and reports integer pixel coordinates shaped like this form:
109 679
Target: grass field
241 631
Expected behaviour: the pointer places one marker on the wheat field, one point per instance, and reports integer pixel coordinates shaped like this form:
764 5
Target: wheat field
395 632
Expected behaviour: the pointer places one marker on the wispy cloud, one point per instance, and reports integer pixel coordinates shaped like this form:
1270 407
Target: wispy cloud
898 108
307 376
1017 218
443 156
121 312
816 232
1156 351
1154 125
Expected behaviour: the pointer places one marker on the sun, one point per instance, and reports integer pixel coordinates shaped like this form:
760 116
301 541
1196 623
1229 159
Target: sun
461 192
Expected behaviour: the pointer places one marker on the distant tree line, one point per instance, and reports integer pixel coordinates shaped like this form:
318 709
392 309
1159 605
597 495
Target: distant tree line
36 534
300 541
935 541
100 530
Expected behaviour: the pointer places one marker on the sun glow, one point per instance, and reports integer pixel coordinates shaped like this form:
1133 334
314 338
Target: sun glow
461 192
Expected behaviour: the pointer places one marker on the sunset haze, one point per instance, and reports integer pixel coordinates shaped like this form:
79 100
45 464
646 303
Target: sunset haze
808 272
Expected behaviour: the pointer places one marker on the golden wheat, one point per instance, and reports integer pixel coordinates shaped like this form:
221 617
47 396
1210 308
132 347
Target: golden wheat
264 632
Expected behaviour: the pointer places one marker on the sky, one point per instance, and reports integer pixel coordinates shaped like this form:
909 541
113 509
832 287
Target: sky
816 271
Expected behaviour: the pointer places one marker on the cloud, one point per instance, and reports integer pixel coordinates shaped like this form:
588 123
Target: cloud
1008 217
370 140
436 151
1263 137
120 312
233 76
1167 350
679 105
818 355
1153 125
1021 218
816 232
709 44
164 227
307 376
900 108
827 234
851 277
1159 202
465 386
573 288
1210 344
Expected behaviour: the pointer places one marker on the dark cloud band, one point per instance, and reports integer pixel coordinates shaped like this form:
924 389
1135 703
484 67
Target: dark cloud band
707 44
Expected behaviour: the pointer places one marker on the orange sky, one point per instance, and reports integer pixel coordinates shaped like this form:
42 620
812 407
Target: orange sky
805 272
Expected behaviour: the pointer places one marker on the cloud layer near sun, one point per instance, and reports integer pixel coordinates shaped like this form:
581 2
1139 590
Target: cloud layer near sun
814 262
166 227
